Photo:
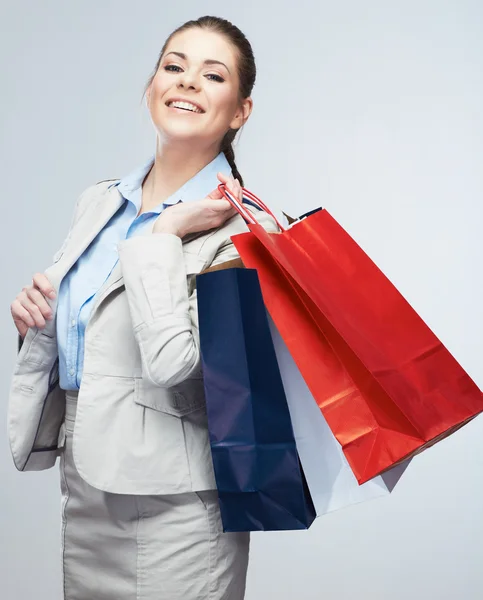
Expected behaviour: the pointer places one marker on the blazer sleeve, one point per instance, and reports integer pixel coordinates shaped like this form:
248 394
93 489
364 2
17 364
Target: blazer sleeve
164 311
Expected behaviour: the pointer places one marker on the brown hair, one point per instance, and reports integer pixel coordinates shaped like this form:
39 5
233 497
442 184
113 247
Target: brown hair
246 70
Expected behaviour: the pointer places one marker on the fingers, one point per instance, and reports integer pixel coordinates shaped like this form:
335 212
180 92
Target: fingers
19 313
30 308
38 299
33 310
229 182
209 213
21 328
219 206
223 178
238 190
43 284
215 195
232 185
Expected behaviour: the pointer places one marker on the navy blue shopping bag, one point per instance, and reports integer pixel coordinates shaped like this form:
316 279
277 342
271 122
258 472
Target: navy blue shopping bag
260 481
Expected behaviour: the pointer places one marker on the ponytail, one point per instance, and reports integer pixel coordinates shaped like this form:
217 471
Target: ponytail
227 149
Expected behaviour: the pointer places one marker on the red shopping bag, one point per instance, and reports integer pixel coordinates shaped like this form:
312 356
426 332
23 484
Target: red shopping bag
386 385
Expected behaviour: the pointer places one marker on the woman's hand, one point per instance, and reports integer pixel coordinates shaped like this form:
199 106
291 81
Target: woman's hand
30 307
203 215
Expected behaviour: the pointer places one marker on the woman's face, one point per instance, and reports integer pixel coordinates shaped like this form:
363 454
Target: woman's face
194 95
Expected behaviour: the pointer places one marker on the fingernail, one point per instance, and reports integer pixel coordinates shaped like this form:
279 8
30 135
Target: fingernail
52 294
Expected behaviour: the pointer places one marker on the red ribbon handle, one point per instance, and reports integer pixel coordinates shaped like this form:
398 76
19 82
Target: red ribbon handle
246 214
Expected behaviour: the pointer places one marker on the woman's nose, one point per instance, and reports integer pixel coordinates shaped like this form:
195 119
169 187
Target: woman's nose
188 81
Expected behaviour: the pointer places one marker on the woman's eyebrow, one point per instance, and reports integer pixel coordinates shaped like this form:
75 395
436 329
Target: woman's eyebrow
208 61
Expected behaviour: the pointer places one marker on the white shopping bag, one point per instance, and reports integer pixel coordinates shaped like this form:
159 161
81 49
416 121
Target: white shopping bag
330 479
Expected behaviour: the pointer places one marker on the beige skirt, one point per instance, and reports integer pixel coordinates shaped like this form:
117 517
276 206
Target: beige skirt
126 547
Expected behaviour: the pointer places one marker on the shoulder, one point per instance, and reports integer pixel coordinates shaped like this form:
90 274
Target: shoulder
91 194
108 181
97 189
220 244
221 237
265 220
237 224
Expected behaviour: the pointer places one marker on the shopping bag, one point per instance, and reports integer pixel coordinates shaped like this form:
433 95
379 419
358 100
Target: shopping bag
260 483
387 386
330 479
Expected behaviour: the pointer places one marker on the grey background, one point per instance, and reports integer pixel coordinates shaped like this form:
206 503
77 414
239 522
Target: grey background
372 109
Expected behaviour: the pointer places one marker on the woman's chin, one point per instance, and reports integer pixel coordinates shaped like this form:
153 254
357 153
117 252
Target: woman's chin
182 132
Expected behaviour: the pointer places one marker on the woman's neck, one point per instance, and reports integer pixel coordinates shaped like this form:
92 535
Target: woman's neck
172 168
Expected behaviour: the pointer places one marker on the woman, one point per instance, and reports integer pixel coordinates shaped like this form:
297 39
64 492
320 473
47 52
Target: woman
108 374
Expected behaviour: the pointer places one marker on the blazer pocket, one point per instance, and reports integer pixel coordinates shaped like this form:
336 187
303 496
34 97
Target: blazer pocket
177 401
38 348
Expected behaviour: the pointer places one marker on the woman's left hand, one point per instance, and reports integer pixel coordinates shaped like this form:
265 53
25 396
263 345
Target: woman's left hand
204 215
231 184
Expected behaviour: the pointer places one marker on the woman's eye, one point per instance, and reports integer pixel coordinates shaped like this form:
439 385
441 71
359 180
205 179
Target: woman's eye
216 78
172 68
178 69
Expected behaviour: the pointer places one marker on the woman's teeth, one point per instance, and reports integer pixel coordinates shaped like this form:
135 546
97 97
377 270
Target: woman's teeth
185 106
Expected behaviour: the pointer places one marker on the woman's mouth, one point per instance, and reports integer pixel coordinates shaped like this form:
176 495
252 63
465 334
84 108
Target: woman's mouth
185 106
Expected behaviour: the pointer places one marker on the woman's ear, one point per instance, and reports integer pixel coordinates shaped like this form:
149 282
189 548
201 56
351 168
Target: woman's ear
242 114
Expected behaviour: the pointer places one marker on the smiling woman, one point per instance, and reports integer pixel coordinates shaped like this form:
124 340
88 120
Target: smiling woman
210 64
117 392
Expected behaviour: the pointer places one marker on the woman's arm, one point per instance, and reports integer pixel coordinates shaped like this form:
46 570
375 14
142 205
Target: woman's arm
164 314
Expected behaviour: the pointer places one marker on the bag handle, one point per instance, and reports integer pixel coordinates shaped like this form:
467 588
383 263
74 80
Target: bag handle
246 214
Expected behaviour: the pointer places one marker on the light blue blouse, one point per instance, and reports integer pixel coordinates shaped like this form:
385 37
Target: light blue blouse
78 289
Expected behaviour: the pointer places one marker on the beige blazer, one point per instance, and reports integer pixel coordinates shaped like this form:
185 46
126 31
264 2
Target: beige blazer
141 425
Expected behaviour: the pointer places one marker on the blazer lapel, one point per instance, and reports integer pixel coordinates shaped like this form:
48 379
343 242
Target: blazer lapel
103 205
101 210
112 283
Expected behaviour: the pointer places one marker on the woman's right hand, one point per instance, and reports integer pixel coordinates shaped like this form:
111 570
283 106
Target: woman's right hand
191 217
30 307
